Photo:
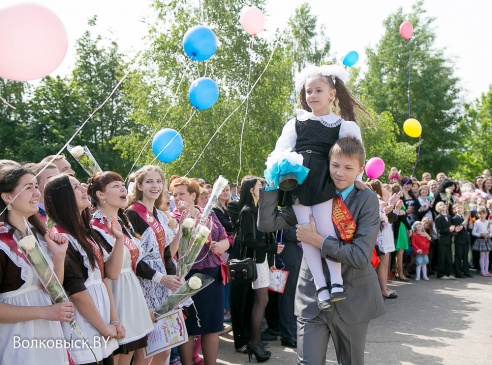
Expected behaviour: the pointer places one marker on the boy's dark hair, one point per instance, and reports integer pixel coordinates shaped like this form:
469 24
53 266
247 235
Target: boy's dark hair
349 146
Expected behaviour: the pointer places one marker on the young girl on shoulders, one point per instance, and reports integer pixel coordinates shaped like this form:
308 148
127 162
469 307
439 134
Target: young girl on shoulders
328 113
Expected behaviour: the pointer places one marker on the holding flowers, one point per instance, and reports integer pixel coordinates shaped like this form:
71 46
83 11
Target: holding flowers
210 312
25 309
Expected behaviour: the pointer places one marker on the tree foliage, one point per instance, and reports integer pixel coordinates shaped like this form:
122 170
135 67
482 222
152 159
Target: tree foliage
433 90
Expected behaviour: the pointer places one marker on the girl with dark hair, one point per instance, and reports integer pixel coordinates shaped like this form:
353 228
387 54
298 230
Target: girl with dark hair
210 312
26 311
108 192
445 194
257 245
158 243
322 93
86 267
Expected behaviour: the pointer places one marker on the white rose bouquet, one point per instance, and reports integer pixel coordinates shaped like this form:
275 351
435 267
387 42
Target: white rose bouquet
193 237
192 286
195 232
85 159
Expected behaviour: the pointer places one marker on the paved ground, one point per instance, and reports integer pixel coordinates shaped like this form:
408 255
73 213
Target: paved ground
432 322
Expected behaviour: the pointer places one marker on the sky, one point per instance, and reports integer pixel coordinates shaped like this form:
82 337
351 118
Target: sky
462 28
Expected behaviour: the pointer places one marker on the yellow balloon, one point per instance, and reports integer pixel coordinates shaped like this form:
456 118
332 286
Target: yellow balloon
412 128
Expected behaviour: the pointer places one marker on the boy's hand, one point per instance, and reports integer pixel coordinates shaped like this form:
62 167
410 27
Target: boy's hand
451 228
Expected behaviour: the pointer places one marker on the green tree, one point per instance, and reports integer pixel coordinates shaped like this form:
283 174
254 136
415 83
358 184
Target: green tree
475 129
12 118
434 89
308 42
60 105
158 93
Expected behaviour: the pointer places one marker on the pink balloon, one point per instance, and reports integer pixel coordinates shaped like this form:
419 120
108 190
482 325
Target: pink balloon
374 168
252 20
406 30
33 42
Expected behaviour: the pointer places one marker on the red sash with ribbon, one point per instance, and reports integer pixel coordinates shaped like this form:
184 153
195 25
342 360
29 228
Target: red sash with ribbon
128 242
343 220
10 242
95 248
346 226
153 223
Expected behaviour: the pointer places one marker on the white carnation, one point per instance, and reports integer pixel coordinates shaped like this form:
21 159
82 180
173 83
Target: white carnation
188 223
28 243
203 231
195 283
77 151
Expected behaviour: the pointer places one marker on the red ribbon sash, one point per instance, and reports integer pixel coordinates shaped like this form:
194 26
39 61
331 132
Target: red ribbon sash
128 242
343 220
153 223
95 248
10 242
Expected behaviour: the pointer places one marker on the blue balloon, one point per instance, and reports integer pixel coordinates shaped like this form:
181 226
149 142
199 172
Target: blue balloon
167 145
203 93
351 58
199 43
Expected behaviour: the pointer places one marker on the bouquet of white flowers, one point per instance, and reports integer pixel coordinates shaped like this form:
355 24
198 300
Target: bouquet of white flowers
192 286
193 237
85 159
195 232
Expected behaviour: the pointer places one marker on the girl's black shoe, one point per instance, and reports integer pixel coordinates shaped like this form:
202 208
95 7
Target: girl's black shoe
259 352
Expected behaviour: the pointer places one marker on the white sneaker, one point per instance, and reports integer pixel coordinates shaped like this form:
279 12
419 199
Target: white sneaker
426 278
444 277
417 278
451 277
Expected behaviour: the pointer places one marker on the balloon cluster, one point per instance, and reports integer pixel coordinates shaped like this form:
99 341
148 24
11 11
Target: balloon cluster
200 44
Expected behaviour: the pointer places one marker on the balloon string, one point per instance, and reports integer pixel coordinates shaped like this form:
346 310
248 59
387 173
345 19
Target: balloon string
245 115
409 115
237 108
7 103
408 91
176 135
70 139
157 127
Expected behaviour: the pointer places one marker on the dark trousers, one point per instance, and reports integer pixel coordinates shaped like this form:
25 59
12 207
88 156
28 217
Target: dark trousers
445 260
288 320
271 310
461 259
242 299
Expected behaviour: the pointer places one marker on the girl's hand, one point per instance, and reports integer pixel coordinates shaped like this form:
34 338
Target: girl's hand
59 312
280 248
114 227
360 185
172 282
109 331
120 331
56 242
214 247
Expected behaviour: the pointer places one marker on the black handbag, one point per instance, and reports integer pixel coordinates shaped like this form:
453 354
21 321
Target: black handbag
243 270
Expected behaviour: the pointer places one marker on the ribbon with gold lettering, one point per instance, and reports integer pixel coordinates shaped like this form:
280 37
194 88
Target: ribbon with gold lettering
153 223
343 220
127 241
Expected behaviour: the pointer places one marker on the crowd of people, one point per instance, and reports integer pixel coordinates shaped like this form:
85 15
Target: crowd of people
116 251
429 227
